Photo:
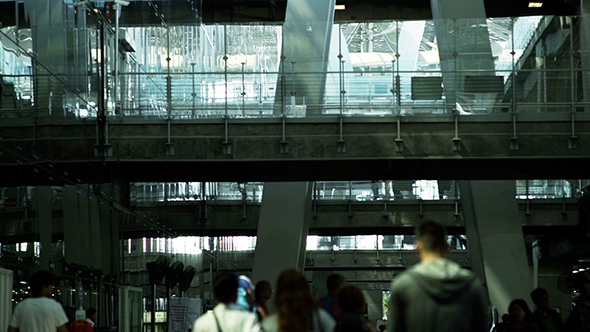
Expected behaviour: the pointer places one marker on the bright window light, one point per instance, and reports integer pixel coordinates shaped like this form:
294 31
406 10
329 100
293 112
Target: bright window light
535 4
340 7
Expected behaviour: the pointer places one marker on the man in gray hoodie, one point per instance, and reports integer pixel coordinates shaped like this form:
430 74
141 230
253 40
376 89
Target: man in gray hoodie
436 295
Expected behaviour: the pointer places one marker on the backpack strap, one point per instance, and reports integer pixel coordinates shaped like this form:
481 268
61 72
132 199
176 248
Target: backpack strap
217 322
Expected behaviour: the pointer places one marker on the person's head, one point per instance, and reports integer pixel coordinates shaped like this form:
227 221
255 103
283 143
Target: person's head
381 328
541 298
92 314
518 310
352 300
41 283
245 283
294 303
292 281
335 283
263 291
225 288
431 240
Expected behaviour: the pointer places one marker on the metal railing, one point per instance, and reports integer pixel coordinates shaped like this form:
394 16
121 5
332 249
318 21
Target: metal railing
164 80
149 193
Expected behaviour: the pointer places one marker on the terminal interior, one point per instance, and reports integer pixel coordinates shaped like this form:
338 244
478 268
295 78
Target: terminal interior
254 136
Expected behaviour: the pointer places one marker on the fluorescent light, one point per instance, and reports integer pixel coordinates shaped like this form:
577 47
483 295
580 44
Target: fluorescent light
340 7
535 4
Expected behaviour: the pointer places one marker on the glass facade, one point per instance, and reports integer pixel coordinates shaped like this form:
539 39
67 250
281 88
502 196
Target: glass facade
373 68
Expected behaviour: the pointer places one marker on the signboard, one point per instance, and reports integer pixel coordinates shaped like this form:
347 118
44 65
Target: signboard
183 313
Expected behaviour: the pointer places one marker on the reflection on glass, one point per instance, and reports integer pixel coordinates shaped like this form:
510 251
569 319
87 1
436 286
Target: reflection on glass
373 68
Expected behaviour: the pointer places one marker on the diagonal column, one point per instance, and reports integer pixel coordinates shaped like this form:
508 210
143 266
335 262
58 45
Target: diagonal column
496 242
282 229
304 61
60 46
464 44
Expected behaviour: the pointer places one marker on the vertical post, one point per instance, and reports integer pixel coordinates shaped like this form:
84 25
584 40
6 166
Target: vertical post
117 8
139 89
225 58
455 54
194 94
243 91
341 68
398 85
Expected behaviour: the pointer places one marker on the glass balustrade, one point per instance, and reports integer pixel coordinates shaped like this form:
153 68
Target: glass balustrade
149 193
373 69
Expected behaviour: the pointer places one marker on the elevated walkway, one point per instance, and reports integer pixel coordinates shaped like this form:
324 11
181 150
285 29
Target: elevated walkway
494 146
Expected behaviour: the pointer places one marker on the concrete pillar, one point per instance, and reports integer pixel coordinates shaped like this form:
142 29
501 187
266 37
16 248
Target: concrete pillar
70 224
60 46
374 300
306 46
282 229
77 225
108 241
5 298
44 220
496 242
584 48
83 229
95 232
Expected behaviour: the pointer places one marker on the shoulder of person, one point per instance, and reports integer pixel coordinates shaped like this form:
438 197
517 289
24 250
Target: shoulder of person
270 324
531 326
403 280
324 315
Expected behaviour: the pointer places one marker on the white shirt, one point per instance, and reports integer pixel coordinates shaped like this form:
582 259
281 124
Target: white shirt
231 319
38 314
90 321
322 322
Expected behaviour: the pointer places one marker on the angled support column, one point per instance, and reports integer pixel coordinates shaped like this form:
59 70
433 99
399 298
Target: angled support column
306 46
59 44
282 229
463 44
496 242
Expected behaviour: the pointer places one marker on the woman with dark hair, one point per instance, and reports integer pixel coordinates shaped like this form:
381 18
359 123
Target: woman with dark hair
520 316
353 305
296 309
262 293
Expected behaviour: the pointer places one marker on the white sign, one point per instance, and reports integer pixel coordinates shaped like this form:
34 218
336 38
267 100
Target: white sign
183 313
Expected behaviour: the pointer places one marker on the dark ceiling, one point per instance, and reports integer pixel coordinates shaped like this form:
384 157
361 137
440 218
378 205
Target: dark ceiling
220 11
238 11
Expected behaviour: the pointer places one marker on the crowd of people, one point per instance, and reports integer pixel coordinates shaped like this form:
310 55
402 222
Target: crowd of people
544 319
434 295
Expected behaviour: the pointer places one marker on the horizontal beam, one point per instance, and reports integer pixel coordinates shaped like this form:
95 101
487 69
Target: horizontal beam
546 217
63 151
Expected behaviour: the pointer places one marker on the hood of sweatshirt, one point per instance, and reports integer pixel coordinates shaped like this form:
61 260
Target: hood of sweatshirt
442 279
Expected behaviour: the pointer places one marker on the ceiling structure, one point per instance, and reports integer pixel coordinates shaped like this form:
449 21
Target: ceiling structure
236 11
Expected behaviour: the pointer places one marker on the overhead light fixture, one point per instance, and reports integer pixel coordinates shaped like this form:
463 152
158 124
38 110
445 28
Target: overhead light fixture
340 7
535 4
